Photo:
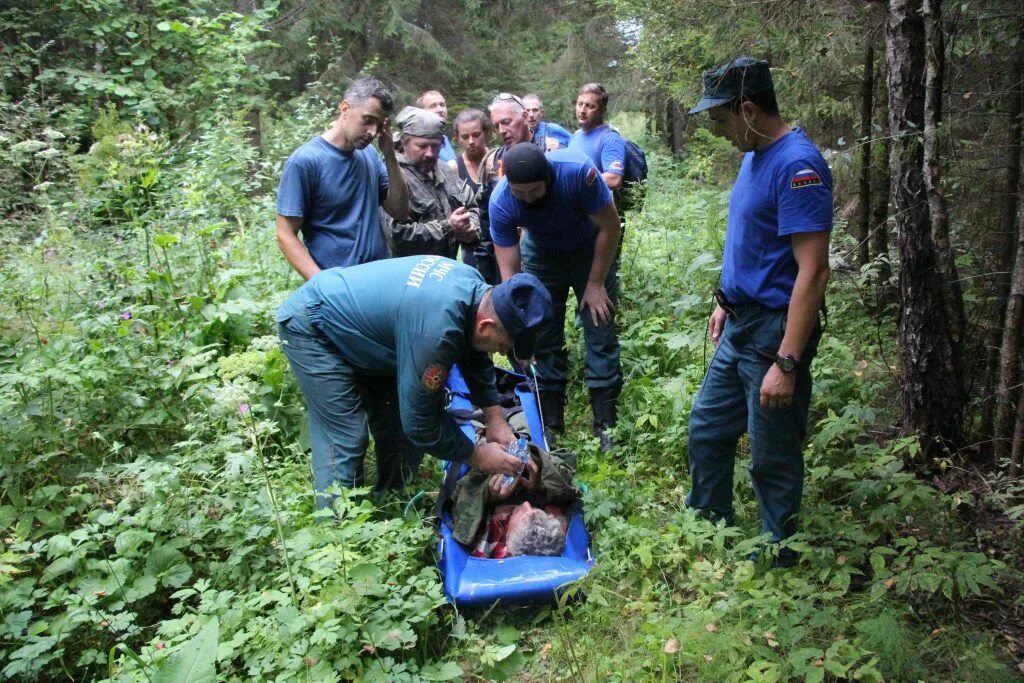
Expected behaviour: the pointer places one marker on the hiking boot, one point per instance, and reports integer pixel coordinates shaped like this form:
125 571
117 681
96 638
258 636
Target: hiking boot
552 408
774 557
603 404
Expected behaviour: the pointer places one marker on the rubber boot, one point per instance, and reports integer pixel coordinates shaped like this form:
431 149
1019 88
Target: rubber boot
552 408
604 404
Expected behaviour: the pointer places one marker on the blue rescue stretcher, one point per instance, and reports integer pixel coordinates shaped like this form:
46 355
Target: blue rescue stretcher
470 581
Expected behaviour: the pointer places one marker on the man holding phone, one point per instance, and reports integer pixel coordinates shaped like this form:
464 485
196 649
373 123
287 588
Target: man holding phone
332 186
442 208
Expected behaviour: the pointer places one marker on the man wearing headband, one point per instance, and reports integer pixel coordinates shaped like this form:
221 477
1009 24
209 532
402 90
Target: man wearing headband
434 102
570 242
510 120
442 209
765 327
332 187
373 345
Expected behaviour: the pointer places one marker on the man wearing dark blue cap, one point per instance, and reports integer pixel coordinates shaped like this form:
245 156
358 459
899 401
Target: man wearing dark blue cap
765 327
375 343
570 242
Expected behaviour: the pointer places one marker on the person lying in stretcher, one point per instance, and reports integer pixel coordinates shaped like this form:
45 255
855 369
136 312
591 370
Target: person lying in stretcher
526 517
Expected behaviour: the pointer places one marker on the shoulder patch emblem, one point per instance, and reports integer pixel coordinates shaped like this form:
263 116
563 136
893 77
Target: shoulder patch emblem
808 177
591 175
616 166
499 170
434 377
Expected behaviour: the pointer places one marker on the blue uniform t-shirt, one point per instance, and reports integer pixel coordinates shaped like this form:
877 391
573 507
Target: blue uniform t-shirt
546 129
781 190
563 222
337 195
604 146
447 152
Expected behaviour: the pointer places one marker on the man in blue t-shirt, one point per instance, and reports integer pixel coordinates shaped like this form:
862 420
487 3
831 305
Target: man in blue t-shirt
433 101
332 186
547 135
765 327
597 139
569 241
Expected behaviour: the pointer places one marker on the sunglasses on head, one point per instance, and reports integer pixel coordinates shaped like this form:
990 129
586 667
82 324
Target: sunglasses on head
509 97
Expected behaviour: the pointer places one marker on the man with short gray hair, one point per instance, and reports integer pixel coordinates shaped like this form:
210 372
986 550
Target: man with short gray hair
332 186
547 135
442 212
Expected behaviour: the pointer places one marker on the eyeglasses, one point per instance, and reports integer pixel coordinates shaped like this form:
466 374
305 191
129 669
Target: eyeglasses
508 97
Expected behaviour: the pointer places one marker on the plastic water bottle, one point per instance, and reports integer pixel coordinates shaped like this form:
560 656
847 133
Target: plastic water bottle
521 449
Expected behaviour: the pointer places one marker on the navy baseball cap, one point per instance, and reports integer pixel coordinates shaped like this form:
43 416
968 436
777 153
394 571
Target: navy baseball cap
523 306
743 76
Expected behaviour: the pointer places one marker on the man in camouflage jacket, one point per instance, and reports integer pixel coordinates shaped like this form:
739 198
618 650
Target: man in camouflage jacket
442 208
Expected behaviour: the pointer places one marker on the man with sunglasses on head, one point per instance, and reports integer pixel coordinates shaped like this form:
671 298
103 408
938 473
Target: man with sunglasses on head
765 327
332 186
511 122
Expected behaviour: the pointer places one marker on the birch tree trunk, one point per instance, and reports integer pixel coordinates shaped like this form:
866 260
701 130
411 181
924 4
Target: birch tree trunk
864 186
932 388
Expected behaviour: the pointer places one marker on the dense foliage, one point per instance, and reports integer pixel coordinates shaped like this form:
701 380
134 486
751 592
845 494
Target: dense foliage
155 498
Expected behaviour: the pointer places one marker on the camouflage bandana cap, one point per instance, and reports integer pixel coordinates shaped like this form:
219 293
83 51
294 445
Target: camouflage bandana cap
420 123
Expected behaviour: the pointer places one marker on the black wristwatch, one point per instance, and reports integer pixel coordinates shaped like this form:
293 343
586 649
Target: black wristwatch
786 363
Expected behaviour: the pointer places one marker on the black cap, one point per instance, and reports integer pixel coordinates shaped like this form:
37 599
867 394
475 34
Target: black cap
525 163
743 76
523 305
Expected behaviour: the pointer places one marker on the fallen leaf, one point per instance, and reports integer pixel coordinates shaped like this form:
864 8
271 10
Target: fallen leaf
671 646
722 594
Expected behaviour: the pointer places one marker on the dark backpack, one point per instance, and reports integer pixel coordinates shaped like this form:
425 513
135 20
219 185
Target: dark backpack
636 161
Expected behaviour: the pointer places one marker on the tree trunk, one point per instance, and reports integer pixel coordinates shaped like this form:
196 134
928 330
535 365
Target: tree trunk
1008 353
864 187
881 192
932 391
935 66
1004 243
1017 454
670 126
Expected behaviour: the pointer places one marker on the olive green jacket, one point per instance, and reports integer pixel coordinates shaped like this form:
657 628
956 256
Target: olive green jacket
470 498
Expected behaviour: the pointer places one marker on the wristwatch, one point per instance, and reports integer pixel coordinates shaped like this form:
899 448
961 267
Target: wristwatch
786 363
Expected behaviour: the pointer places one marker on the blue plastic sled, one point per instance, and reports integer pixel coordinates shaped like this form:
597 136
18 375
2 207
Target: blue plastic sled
472 580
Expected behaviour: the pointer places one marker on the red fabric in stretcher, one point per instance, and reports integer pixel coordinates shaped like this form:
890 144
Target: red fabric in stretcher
492 539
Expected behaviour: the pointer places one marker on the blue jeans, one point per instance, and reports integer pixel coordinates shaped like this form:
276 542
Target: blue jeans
341 404
729 405
560 272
